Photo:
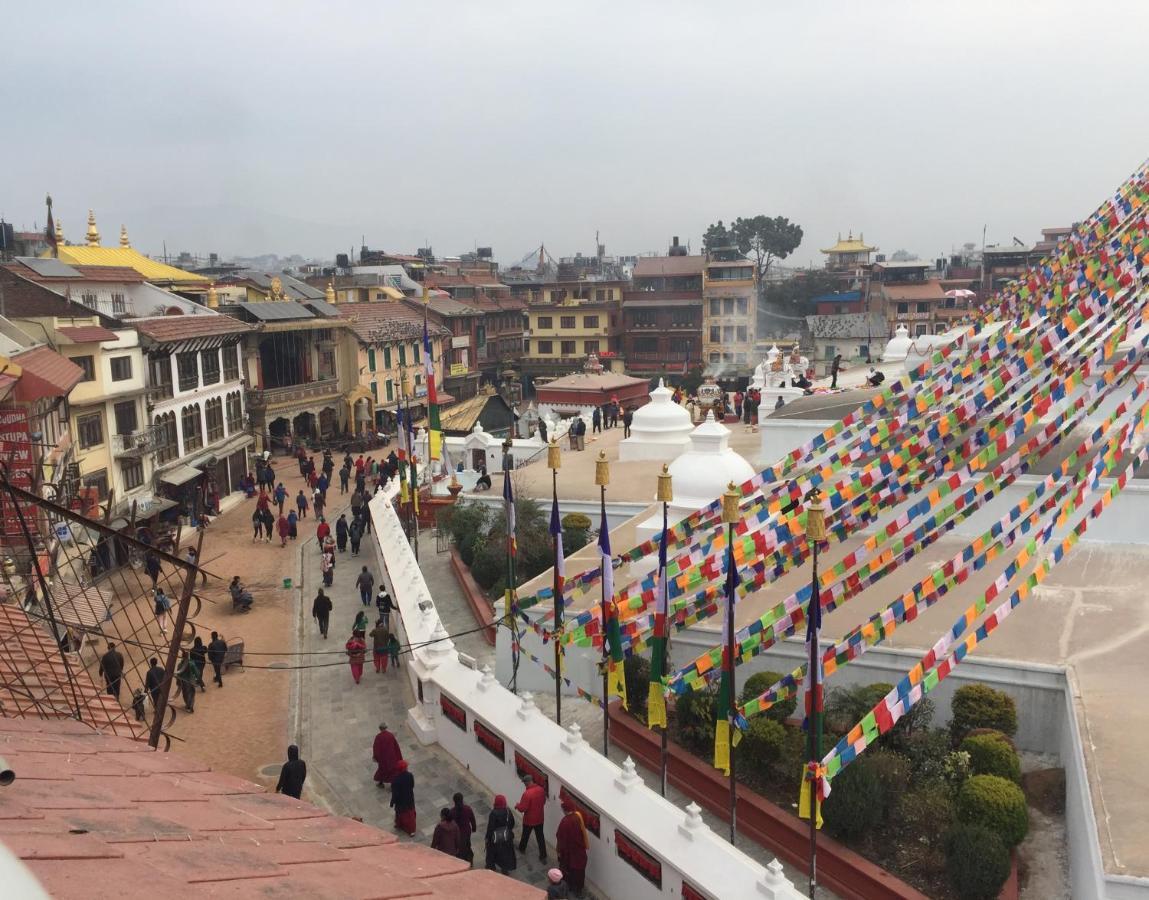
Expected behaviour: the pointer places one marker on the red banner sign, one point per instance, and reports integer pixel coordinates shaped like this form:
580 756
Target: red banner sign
16 453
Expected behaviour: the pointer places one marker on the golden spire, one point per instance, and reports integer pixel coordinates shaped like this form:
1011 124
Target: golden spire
59 232
329 294
93 232
212 297
124 242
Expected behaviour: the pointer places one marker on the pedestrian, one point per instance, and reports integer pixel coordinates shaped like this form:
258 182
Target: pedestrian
186 679
464 817
366 583
341 532
356 653
154 680
355 535
556 885
301 504
344 478
359 627
327 567
365 518
627 421
162 607
446 836
500 838
284 530
192 558
385 605
321 611
403 798
571 845
835 367
542 429
292 524
268 525
387 755
263 500
392 651
738 405
138 705
779 403
596 421
292 775
319 502
379 637
152 567
533 806
256 525
216 654
360 483
321 484
280 496
112 668
199 657
322 530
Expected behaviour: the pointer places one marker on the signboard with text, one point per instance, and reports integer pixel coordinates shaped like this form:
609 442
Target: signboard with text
458 368
16 453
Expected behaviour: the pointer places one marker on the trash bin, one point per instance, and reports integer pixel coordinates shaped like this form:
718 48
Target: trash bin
286 584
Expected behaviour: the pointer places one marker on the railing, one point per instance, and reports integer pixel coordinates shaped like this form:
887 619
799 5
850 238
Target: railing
136 443
656 297
673 356
163 391
293 393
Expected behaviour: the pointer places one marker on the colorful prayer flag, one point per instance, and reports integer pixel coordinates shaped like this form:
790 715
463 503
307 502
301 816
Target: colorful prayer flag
612 631
434 429
509 508
725 735
656 701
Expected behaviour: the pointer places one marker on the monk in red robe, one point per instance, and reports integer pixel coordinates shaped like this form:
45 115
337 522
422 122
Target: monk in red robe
572 844
387 756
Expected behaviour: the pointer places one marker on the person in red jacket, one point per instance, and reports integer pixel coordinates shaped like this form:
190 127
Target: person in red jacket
571 843
533 806
321 531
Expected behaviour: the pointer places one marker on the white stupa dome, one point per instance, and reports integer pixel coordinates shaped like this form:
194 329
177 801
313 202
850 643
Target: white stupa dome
660 430
899 345
704 471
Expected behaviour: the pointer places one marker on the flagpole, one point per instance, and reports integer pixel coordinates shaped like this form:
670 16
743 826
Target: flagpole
602 479
665 494
554 462
815 533
730 515
509 591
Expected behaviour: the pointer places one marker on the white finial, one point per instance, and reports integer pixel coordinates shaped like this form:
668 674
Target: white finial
629 779
693 823
774 884
573 739
488 680
528 708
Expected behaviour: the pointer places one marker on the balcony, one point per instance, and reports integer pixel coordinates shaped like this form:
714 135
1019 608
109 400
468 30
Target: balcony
158 392
136 443
295 393
654 298
671 356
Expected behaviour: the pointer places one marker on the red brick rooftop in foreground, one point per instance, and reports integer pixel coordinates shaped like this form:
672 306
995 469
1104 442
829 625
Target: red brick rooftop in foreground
98 816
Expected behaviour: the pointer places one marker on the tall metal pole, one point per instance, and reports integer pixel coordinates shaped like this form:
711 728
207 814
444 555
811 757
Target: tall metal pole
602 479
665 494
730 513
554 462
815 533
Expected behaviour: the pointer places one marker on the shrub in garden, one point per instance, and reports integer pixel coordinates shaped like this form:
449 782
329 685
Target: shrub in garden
762 681
636 669
761 745
576 532
980 706
488 563
995 803
466 523
977 862
845 707
857 803
927 751
694 717
924 812
991 753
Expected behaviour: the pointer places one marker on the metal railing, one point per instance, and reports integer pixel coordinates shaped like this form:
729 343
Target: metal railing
294 393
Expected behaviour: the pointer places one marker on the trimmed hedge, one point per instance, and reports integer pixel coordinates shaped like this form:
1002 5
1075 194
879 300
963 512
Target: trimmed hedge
979 706
977 862
995 803
761 745
762 681
858 802
991 753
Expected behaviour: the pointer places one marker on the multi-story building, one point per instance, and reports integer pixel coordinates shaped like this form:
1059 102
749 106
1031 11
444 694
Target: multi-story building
729 313
572 320
498 336
466 324
850 257
662 314
907 294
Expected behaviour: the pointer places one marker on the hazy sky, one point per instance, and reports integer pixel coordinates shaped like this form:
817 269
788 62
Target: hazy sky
251 127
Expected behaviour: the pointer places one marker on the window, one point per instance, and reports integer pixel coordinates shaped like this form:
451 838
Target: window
90 429
715 334
415 353
590 346
230 363
526 347
646 318
166 448
234 413
903 307
375 391
192 427
568 348
567 322
715 357
740 305
919 330
558 295
546 348
326 363
715 306
590 321
728 334
646 345
121 368
88 298
209 359
119 307
98 480
386 357
390 386
132 471
161 376
126 421
88 365
402 354
741 334
189 371
923 307
546 322
727 306
370 360
213 409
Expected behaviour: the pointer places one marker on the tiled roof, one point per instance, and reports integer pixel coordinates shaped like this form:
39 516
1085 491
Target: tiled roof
921 290
668 266
151 269
443 305
25 298
181 328
45 374
607 381
124 274
86 334
385 321
98 816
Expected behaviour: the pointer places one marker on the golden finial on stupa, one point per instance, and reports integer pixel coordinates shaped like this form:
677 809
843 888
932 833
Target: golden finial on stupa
124 242
329 294
59 232
212 297
93 232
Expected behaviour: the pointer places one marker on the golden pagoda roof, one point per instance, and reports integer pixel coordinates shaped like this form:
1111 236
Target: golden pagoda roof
850 245
151 269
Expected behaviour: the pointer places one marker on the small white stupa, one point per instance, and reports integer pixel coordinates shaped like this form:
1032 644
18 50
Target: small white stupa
899 346
700 475
775 377
660 430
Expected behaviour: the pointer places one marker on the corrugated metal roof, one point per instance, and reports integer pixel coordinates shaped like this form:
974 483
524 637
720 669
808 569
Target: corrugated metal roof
321 307
48 268
151 269
275 310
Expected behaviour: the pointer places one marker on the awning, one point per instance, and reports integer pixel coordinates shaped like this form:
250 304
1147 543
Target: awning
85 607
181 474
393 293
218 451
45 373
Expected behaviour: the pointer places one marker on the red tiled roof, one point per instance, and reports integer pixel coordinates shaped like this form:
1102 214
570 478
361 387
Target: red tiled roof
383 321
922 290
26 298
181 328
86 334
45 374
92 816
110 273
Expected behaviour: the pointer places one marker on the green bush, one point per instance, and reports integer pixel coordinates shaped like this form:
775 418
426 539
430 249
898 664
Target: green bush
694 718
488 563
924 813
576 532
761 745
927 751
781 711
977 862
991 753
979 706
636 670
995 803
576 521
845 707
857 802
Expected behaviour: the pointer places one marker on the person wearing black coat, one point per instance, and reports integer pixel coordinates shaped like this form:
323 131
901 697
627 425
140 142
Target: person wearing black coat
500 837
321 611
292 775
355 534
341 532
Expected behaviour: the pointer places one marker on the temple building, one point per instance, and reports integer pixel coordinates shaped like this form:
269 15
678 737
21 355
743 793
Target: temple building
851 255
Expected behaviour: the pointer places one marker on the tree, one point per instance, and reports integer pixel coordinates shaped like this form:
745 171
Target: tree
717 235
766 239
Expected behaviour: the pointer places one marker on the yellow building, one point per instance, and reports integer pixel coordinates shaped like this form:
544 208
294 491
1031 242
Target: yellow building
848 255
729 313
568 321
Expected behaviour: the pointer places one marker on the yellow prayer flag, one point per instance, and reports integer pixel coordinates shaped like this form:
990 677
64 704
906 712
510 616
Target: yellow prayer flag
804 802
655 707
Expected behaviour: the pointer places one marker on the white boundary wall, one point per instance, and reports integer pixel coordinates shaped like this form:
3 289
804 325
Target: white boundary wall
687 849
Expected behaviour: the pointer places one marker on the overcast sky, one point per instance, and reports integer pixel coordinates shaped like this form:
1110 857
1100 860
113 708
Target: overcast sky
252 127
